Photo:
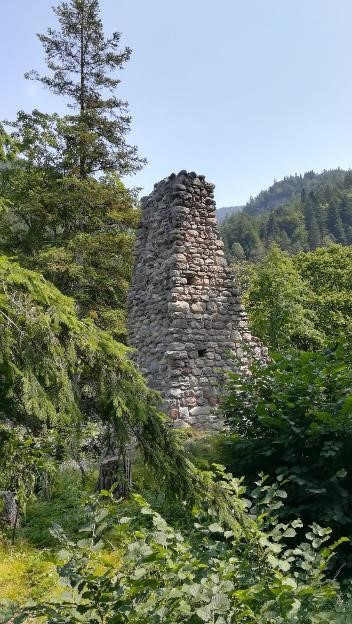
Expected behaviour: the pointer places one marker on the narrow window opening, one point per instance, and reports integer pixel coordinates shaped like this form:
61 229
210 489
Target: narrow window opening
191 280
202 352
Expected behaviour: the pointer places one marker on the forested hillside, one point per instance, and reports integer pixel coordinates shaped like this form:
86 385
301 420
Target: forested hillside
284 191
222 213
320 213
108 514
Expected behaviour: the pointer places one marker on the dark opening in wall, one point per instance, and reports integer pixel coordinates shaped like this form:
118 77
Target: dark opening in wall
202 352
191 280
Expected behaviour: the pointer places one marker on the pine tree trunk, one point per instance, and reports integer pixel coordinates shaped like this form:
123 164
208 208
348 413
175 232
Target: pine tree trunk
115 472
82 156
9 512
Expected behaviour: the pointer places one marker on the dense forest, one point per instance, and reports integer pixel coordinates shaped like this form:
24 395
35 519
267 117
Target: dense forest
248 525
299 213
284 191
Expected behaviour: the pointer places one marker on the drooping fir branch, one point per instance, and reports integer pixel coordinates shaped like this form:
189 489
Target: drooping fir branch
57 372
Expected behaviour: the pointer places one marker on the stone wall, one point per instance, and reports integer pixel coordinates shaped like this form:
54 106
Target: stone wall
185 314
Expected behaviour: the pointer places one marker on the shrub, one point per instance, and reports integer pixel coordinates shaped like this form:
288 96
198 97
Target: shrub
293 418
235 566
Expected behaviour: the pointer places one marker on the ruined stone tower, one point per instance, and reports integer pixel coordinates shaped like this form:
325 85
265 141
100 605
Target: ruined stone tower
185 316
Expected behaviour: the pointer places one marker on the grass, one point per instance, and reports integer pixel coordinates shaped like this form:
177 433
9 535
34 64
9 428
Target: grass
28 568
27 573
65 507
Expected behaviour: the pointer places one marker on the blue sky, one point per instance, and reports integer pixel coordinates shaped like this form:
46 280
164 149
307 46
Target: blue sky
243 91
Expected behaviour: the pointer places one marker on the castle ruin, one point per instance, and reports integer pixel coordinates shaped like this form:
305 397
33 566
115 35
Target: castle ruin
185 315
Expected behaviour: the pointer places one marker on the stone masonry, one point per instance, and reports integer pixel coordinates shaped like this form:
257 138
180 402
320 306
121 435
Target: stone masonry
185 315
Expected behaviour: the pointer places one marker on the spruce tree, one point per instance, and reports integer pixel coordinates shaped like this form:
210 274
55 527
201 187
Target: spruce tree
335 225
237 252
82 63
309 205
60 375
345 209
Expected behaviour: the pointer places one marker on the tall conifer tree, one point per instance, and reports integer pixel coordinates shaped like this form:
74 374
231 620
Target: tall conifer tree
335 224
309 205
82 64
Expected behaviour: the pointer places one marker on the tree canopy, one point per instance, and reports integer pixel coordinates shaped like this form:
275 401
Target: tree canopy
303 300
68 215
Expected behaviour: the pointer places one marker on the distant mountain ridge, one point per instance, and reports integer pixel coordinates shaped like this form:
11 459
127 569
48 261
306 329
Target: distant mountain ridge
299 213
222 213
284 191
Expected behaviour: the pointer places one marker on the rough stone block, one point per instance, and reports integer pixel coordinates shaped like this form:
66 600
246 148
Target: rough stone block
184 412
181 424
200 410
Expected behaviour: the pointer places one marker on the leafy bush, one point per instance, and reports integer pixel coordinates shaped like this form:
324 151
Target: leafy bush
231 568
65 505
279 304
327 273
293 418
303 301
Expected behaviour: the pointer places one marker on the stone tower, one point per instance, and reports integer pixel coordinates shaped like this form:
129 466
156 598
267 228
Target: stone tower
185 315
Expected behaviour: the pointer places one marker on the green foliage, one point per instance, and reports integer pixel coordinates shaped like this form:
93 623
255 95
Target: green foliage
241 237
78 233
27 465
7 146
293 418
63 504
279 304
58 373
303 301
327 273
220 574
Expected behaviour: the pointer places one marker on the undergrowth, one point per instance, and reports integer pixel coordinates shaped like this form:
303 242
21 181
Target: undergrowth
28 567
